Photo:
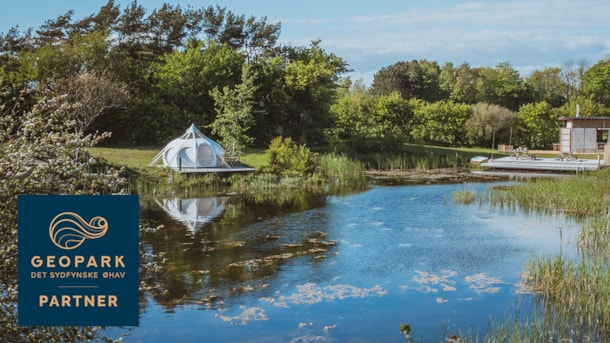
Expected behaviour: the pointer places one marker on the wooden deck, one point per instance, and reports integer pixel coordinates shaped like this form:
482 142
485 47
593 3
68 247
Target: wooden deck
543 164
214 170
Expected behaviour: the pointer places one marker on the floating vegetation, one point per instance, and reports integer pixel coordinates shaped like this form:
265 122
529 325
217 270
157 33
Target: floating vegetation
247 315
311 293
481 283
443 280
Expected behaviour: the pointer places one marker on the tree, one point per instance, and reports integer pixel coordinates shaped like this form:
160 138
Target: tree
273 101
538 125
55 31
234 117
446 80
285 157
411 79
502 86
489 124
596 82
311 79
167 29
184 79
547 85
441 122
464 90
572 74
103 21
89 96
252 36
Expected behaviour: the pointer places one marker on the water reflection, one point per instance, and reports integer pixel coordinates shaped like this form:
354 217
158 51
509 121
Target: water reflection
345 268
193 213
202 255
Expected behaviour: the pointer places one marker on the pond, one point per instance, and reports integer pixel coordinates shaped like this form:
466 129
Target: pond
348 268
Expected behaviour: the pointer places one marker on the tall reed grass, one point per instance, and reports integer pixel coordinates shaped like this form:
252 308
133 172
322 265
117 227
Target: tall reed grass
338 169
578 196
571 295
419 161
575 294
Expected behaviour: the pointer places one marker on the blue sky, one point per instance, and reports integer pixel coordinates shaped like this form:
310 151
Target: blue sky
369 35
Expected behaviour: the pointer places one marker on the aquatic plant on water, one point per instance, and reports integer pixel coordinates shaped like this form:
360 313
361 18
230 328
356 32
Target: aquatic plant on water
464 197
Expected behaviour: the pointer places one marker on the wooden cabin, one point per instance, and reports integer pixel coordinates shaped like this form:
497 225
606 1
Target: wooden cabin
584 134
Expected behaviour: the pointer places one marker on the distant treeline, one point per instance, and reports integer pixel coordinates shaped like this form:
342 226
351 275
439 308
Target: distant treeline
165 69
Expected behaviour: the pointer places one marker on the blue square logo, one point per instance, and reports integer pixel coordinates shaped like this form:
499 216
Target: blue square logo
78 260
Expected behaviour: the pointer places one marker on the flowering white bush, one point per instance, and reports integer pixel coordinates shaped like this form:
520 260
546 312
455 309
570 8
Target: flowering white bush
42 152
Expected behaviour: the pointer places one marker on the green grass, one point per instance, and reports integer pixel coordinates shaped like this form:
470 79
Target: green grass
255 158
133 158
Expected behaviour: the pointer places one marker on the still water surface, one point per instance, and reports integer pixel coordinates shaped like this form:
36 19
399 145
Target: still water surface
336 268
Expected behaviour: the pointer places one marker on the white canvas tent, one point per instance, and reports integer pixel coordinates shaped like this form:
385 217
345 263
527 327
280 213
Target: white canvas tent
192 152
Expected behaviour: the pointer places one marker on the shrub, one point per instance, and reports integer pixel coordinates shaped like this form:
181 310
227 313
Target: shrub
290 159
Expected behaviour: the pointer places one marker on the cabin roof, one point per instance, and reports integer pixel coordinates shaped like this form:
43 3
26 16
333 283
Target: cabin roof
584 118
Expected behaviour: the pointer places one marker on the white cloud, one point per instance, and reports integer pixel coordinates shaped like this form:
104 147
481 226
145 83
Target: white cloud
526 33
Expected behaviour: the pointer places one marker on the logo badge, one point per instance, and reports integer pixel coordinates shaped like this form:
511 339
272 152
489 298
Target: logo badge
78 260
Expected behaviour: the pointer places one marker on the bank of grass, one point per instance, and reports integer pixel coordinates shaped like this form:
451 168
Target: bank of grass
571 294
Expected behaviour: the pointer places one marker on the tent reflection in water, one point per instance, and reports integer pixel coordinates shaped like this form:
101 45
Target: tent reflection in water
193 213
195 152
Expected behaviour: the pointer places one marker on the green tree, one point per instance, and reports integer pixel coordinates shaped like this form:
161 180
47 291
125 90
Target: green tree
234 117
102 21
596 82
547 85
273 101
312 80
465 86
446 80
572 74
502 86
365 121
587 107
441 122
538 126
415 79
254 37
184 78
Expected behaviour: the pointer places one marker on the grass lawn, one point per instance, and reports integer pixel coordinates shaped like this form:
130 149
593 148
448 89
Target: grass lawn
134 158
140 158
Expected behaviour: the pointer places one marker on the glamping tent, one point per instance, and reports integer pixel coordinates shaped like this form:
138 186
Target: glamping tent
192 152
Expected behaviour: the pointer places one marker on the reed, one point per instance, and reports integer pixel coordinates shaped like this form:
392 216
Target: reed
594 236
574 293
420 160
571 295
463 197
338 169
578 196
